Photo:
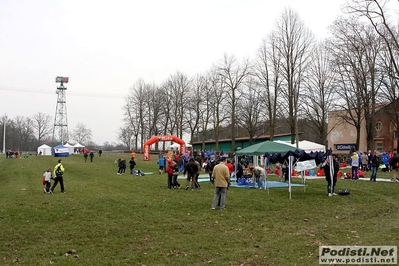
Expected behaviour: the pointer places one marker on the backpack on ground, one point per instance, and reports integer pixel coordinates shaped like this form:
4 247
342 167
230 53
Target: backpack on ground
344 192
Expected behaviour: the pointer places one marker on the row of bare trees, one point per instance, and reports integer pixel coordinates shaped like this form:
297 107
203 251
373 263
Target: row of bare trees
27 133
293 77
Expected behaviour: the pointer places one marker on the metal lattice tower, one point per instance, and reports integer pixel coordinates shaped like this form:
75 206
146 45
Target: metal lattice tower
60 129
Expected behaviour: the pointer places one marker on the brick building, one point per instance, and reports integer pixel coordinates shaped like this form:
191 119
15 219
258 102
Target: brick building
342 135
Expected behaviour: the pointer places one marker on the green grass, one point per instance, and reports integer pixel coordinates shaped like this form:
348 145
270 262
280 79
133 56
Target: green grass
107 219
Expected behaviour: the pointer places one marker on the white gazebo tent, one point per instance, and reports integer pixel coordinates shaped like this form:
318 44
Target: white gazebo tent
307 146
44 149
176 146
71 148
78 146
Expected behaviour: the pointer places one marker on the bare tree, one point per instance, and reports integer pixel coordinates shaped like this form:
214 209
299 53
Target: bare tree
42 125
207 105
24 129
11 136
354 48
135 114
218 101
319 96
180 88
250 110
267 72
154 107
192 114
233 74
293 42
376 12
81 133
125 135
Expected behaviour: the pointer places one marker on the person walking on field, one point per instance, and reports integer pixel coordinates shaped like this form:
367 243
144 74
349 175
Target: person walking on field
91 155
58 177
395 166
222 178
47 178
161 162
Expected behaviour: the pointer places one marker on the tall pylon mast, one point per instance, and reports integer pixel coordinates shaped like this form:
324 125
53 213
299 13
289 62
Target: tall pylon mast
60 129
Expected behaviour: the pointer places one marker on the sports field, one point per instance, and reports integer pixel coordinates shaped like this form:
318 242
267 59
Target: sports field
109 219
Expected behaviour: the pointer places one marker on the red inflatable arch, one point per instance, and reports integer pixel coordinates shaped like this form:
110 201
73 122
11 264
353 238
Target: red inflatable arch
162 138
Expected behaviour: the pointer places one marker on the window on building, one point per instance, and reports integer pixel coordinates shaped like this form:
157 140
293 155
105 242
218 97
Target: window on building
395 134
378 146
378 126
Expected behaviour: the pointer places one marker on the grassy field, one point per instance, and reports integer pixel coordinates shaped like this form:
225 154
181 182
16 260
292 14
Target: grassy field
107 219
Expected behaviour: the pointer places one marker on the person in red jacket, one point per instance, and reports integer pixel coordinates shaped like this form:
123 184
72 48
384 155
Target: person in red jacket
230 166
170 170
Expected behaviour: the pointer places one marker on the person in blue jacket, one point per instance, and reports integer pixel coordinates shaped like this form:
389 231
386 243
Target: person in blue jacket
161 163
385 161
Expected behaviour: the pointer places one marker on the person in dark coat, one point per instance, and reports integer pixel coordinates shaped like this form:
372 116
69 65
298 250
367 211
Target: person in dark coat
91 155
191 168
132 164
331 182
395 166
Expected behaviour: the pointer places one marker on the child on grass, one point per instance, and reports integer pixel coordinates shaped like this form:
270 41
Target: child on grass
47 178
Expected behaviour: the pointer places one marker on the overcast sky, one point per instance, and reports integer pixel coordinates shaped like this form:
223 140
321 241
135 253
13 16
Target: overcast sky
105 46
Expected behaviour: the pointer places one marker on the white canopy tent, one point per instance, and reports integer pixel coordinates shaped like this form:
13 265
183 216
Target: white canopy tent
177 146
44 149
71 148
307 146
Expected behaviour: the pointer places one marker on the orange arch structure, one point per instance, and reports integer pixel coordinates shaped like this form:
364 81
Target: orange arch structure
162 138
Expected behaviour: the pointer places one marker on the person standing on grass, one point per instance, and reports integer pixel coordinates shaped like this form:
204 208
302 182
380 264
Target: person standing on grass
331 180
209 169
355 166
395 166
47 178
375 163
222 179
170 170
175 183
161 163
58 177
191 169
123 166
132 163
365 162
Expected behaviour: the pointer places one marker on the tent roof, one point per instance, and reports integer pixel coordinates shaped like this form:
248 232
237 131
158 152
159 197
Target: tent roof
78 145
310 146
177 145
60 146
44 146
307 146
268 146
67 145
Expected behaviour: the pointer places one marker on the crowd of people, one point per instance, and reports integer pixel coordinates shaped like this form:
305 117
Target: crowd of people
13 154
220 170
372 161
